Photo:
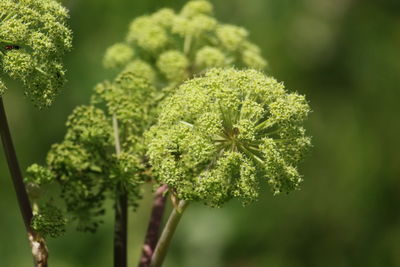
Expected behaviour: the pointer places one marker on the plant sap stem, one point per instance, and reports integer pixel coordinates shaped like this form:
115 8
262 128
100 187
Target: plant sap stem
38 245
167 234
153 228
121 213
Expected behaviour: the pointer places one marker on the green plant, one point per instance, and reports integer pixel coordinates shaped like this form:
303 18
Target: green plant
190 111
33 39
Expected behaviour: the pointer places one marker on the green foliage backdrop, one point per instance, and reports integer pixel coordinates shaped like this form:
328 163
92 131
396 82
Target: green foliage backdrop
344 55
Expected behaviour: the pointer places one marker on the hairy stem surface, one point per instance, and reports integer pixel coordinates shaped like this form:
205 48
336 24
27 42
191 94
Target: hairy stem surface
121 213
153 228
38 245
167 234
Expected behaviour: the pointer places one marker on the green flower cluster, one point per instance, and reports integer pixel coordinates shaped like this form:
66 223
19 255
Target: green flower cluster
33 40
175 46
216 135
86 164
50 221
220 134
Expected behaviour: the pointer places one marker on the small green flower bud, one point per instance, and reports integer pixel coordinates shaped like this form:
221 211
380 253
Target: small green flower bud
197 7
148 34
164 17
126 173
142 69
66 158
49 221
251 57
231 37
18 64
89 125
195 26
38 175
128 98
173 64
118 55
208 57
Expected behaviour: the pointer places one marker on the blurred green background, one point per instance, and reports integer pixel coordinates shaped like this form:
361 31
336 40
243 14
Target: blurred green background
343 54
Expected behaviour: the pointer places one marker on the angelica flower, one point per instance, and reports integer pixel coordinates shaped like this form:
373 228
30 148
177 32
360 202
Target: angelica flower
141 69
49 221
173 64
33 39
118 55
231 37
208 57
220 135
148 34
197 7
198 39
85 164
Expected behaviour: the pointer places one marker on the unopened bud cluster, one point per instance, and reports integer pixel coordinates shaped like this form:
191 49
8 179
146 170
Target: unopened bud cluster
180 45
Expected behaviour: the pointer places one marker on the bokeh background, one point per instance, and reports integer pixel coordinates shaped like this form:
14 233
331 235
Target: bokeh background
343 54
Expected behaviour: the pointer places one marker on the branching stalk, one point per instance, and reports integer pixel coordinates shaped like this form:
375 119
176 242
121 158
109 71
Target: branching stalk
153 228
167 234
37 242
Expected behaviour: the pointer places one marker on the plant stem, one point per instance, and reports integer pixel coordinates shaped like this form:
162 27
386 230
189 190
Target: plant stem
153 228
38 245
121 230
167 234
121 213
186 45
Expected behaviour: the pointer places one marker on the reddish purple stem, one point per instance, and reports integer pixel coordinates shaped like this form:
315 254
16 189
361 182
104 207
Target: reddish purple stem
153 230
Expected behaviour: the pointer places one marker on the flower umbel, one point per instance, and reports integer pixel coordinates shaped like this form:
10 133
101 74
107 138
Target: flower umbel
221 134
33 40
180 45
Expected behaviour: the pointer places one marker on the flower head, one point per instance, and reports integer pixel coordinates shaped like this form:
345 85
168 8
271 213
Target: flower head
118 55
33 40
192 36
220 135
174 65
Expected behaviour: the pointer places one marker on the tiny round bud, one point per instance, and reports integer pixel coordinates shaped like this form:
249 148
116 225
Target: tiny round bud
49 221
208 57
118 55
164 17
197 7
142 69
18 64
195 26
148 34
231 37
173 64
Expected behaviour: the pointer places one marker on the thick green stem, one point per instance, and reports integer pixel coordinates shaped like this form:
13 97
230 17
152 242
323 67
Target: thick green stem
38 245
167 234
